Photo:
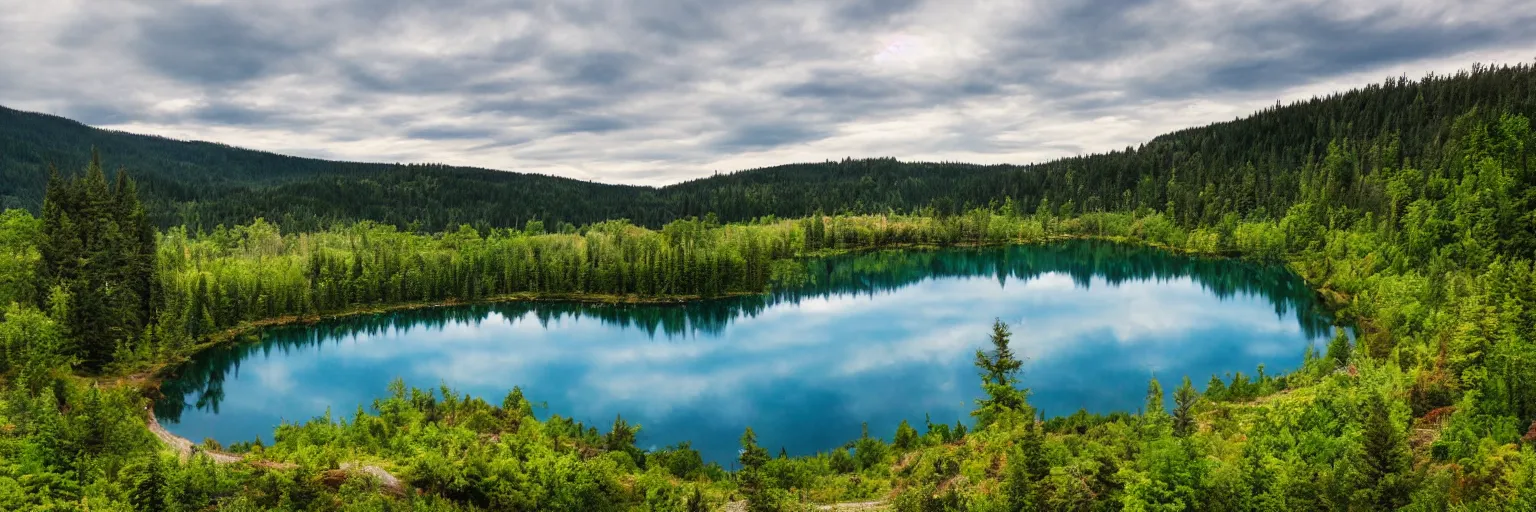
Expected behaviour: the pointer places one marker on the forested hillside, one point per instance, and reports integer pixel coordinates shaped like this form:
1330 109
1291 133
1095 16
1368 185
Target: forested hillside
203 184
1408 206
1250 165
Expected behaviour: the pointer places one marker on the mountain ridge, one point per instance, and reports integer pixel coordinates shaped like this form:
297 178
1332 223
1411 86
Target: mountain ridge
204 184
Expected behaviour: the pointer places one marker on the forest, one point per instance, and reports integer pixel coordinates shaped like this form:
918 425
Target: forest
1407 205
1248 166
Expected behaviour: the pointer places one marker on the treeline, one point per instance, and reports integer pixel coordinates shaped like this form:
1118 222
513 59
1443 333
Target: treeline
124 294
199 383
1407 204
229 277
203 184
1255 165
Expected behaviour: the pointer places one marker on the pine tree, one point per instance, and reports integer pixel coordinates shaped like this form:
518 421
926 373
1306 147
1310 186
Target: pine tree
1026 469
906 437
199 323
622 437
97 244
1384 463
696 502
1155 398
149 493
1339 349
750 479
1183 408
1032 446
999 378
1020 489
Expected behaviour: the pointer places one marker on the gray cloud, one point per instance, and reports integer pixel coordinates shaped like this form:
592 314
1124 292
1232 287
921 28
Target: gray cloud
96 113
226 113
658 91
1315 45
837 86
594 125
214 45
602 68
521 106
873 11
682 22
759 136
450 133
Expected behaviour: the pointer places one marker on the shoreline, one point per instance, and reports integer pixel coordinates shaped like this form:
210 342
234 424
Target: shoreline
149 378
149 381
186 449
157 371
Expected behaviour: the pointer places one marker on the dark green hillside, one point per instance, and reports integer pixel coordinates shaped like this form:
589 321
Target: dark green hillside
204 184
426 197
1254 164
1250 165
180 170
1409 206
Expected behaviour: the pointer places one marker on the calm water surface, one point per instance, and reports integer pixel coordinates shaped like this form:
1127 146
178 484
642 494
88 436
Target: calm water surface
877 337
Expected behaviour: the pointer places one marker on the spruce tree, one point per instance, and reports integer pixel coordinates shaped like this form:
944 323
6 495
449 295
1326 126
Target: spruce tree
999 378
906 436
1155 398
1183 408
696 501
750 479
98 246
199 315
1383 464
1339 349
1026 469
622 437
149 493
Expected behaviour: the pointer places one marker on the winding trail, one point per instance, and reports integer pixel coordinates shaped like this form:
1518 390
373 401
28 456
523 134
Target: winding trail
855 506
859 506
185 449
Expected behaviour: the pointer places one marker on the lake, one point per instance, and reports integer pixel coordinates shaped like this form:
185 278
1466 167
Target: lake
875 337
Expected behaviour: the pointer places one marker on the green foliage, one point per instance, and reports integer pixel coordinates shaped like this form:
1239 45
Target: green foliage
150 489
97 245
999 379
751 480
1383 464
1026 473
1407 205
31 347
1339 350
18 256
1306 152
906 437
1184 408
869 452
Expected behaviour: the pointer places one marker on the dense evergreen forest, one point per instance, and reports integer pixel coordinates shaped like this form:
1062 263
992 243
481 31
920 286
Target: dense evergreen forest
1252 165
1408 205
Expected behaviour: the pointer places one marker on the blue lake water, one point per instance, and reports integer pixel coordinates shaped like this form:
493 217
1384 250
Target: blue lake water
877 338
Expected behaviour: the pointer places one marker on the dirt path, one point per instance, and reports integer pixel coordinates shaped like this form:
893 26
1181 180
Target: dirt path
859 506
855 506
186 449
386 480
183 447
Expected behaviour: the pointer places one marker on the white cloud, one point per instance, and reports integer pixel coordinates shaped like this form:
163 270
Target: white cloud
660 91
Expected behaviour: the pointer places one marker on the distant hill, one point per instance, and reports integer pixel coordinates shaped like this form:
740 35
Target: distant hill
204 182
1253 165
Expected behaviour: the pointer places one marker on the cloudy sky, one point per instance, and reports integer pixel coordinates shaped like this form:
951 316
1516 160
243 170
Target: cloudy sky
658 91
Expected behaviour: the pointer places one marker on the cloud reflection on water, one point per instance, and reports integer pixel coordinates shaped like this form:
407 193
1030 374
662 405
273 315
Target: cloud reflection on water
803 374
